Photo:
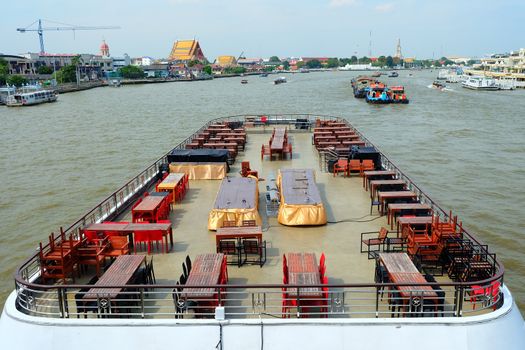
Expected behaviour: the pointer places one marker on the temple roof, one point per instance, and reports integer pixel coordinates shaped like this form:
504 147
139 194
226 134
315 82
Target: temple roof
186 50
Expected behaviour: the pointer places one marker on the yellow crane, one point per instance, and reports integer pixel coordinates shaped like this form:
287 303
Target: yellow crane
40 30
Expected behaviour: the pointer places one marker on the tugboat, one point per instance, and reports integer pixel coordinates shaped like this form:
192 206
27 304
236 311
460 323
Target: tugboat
397 95
377 93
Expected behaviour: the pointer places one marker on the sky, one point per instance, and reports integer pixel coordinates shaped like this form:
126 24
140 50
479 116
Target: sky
263 28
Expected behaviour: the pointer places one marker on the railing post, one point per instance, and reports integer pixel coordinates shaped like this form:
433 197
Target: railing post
142 302
377 301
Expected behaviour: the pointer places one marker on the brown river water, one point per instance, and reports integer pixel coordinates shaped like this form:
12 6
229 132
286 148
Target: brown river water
466 149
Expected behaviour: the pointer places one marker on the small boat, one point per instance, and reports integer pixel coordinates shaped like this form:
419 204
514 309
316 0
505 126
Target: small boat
438 85
114 82
244 81
304 70
28 98
393 75
280 80
377 93
480 83
264 75
376 74
397 95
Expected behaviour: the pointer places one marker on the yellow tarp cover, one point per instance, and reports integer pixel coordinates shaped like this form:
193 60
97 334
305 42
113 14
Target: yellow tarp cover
200 171
301 203
237 200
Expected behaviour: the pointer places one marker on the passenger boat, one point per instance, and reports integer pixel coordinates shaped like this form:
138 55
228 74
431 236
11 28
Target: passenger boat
278 264
378 94
360 84
480 83
398 95
280 80
33 97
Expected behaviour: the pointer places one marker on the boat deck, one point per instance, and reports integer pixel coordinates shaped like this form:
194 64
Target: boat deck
351 290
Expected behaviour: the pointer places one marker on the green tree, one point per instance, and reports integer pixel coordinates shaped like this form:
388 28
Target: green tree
131 72
67 74
389 61
192 63
16 80
353 59
207 69
332 63
44 70
313 64
364 60
274 59
300 64
4 70
286 65
235 70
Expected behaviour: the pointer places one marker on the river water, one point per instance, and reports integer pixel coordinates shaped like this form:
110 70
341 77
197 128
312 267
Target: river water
464 148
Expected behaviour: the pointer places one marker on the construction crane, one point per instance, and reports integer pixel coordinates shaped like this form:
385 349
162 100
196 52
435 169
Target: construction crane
40 30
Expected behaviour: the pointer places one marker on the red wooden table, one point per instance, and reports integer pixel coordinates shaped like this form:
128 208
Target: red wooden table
303 270
371 174
147 208
128 229
383 197
393 208
410 221
277 145
206 271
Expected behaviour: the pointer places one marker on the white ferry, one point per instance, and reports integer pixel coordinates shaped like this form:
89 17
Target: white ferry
480 83
28 98
336 248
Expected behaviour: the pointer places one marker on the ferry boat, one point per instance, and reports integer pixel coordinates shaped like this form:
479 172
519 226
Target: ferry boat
280 80
378 94
480 83
28 98
360 84
308 258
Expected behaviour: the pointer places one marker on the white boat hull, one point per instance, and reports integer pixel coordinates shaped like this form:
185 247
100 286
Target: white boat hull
501 329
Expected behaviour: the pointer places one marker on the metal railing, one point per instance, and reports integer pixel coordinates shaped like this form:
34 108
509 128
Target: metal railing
338 300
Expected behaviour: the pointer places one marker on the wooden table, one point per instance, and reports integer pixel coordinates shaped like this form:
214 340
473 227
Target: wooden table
393 208
171 183
383 197
277 145
119 273
238 233
418 220
372 174
205 271
377 184
402 270
147 207
303 270
129 228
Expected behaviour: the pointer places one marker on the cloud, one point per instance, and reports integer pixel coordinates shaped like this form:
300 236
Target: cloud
384 7
339 3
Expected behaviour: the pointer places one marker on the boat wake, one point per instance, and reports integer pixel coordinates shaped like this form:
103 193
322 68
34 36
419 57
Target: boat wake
440 89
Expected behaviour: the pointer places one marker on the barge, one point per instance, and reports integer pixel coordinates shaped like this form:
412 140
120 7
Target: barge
332 246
